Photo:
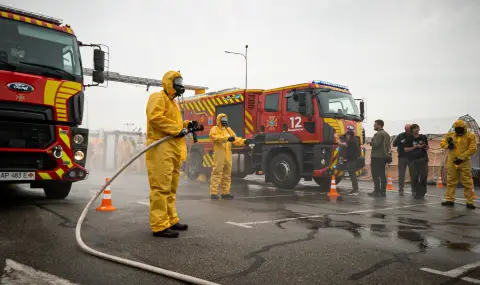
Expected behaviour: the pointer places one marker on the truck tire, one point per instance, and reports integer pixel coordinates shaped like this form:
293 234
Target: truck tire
283 171
194 165
58 191
324 182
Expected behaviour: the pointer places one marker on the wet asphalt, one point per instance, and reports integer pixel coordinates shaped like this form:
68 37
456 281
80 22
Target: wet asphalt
264 236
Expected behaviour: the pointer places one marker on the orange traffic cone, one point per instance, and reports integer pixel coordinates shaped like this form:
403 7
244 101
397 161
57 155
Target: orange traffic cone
389 183
106 205
333 194
440 182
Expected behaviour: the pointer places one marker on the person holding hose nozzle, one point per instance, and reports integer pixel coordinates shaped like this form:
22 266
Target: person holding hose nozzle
222 137
163 162
461 145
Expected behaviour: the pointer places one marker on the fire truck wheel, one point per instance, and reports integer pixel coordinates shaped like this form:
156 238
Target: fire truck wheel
58 191
283 171
194 165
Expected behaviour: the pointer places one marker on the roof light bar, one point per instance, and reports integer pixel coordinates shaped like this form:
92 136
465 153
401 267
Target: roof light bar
24 13
321 82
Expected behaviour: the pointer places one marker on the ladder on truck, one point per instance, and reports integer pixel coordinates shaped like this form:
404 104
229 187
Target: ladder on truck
117 77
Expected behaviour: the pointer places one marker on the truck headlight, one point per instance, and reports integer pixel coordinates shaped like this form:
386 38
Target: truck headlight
78 139
79 155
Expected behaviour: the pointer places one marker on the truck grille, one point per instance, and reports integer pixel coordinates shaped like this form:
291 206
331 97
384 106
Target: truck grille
26 135
26 160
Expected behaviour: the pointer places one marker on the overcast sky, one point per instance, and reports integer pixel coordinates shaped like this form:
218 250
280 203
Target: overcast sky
411 60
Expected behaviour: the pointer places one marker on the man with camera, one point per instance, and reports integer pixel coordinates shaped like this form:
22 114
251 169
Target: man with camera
416 147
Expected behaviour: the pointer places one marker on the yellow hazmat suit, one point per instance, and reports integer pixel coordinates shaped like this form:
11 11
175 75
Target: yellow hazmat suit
222 156
465 147
163 162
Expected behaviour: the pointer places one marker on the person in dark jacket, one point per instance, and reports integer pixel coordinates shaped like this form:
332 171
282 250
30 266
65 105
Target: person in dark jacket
416 147
381 156
403 161
352 155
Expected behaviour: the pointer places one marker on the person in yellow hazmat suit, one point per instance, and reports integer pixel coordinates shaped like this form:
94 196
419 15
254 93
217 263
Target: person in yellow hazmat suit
223 137
461 145
163 162
124 151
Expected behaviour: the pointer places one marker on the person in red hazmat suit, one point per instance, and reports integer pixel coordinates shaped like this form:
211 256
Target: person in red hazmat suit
223 137
461 145
163 161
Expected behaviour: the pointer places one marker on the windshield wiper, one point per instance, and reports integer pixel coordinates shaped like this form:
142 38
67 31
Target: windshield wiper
355 117
337 115
59 70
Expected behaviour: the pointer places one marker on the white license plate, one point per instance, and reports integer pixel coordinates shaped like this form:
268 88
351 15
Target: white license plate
9 176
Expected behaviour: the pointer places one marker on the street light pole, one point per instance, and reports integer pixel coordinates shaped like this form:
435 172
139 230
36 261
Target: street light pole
246 62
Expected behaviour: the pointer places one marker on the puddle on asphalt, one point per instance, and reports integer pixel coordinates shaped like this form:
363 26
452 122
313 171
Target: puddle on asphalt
410 230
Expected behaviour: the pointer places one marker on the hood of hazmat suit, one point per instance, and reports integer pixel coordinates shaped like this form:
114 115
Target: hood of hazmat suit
163 162
222 156
465 147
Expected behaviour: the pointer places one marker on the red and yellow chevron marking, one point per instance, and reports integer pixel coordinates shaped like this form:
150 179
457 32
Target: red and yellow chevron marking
336 124
57 94
207 160
35 22
65 143
359 132
249 129
207 105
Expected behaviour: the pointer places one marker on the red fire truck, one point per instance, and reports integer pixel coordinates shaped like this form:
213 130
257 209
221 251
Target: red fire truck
42 102
295 131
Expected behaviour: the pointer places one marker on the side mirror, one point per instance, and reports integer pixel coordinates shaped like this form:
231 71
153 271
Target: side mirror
98 76
98 60
362 110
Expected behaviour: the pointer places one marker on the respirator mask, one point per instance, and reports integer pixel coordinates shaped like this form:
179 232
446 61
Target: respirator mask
224 121
459 131
178 86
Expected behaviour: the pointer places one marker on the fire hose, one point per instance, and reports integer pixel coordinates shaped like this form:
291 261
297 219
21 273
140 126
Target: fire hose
124 261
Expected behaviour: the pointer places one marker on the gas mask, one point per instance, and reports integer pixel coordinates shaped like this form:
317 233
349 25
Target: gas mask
459 131
224 121
178 86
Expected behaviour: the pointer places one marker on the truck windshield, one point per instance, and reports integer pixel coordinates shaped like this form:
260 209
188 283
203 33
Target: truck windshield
38 50
334 104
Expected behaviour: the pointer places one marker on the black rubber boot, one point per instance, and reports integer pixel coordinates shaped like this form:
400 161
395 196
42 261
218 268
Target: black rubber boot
448 203
167 233
227 196
400 193
214 197
471 206
179 227
373 194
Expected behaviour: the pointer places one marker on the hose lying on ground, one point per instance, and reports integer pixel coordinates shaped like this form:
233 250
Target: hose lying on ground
139 265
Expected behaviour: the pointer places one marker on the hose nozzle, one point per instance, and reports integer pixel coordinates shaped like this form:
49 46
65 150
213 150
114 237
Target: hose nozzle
193 130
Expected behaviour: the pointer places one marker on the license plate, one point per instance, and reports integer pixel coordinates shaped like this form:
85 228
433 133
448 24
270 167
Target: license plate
9 176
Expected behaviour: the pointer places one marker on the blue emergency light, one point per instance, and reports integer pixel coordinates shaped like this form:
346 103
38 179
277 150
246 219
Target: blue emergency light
321 82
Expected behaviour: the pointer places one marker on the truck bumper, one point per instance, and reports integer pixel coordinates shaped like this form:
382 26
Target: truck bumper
55 162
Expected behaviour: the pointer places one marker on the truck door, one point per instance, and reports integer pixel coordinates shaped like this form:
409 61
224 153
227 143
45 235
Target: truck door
298 116
269 113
